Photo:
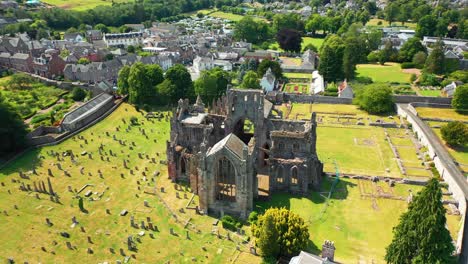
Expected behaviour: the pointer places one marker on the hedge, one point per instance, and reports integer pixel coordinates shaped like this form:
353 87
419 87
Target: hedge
230 223
408 65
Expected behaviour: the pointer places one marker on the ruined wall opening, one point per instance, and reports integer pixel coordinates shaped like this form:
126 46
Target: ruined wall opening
225 180
294 177
244 129
265 155
183 167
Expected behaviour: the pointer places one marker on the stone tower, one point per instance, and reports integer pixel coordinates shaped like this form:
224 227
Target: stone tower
328 250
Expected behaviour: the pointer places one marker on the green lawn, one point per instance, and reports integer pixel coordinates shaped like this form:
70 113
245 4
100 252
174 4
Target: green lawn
82 5
374 23
231 16
292 75
442 113
434 93
117 189
390 72
361 227
317 42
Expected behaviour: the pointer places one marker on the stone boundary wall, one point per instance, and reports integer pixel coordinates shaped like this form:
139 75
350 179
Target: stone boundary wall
446 171
405 99
41 135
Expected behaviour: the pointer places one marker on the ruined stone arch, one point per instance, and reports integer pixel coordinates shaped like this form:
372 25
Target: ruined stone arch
281 174
294 175
226 184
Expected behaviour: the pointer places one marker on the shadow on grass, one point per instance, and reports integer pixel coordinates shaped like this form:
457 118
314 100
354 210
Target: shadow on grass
27 161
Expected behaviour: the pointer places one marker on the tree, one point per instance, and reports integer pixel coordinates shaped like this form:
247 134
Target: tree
166 91
154 73
331 59
180 77
426 26
250 81
122 81
375 99
410 48
311 47
251 31
267 240
292 232
269 64
352 55
84 61
12 130
386 52
212 84
289 39
455 133
140 89
421 236
435 62
391 12
291 21
460 99
131 49
101 27
419 59
78 94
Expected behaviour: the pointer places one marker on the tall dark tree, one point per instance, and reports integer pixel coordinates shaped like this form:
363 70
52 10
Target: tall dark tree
140 89
426 26
180 77
12 130
251 31
122 81
289 39
391 12
421 236
331 59
166 92
435 62
353 54
268 237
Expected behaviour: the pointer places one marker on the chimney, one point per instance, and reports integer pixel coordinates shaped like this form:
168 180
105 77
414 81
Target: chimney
328 250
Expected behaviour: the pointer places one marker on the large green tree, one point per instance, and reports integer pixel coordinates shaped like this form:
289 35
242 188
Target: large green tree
180 77
212 84
353 54
426 26
251 31
435 62
122 81
154 73
455 133
391 12
421 235
331 59
460 99
292 232
375 99
140 89
250 81
410 48
12 130
166 92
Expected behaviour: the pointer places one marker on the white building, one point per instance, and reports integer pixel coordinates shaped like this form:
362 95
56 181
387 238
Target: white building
317 85
268 81
123 39
203 63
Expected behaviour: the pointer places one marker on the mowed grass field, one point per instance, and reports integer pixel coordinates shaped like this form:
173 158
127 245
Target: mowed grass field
390 72
231 16
375 21
441 113
81 5
360 226
317 42
27 238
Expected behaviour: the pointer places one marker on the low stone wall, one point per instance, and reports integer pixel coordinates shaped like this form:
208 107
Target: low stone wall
310 99
453 177
405 99
42 135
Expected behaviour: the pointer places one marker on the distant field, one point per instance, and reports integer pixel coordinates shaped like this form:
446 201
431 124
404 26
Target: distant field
390 72
81 5
230 16
317 42
375 21
360 226
443 113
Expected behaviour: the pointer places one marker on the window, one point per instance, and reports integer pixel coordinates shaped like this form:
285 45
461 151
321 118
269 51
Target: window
294 179
281 146
295 147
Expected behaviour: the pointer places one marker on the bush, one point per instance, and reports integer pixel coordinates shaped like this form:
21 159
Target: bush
375 99
460 99
413 78
253 217
230 223
364 80
40 118
78 94
429 79
407 65
455 133
133 121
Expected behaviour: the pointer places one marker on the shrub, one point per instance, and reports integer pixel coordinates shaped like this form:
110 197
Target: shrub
78 94
40 118
460 99
253 217
429 79
407 65
455 133
364 80
230 223
375 99
413 78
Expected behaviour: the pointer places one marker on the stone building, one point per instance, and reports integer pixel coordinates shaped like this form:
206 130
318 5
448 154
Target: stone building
240 150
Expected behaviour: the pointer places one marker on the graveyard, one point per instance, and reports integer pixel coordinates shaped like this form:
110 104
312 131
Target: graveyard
117 168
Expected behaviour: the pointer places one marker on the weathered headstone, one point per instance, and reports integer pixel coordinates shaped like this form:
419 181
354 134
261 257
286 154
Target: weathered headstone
48 222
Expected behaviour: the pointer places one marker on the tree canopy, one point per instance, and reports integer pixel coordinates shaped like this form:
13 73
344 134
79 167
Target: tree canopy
460 99
182 80
331 59
212 84
375 99
289 39
12 130
435 62
280 232
421 236
251 31
455 133
250 81
273 65
410 49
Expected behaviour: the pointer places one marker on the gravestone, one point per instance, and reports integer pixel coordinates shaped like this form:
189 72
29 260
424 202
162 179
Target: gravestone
150 226
89 240
162 189
146 203
82 229
69 246
108 211
49 172
185 196
132 221
171 230
187 236
253 251
177 195
48 222
142 225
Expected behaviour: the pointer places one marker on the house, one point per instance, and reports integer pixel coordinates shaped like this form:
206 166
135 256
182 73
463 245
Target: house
310 59
49 64
268 81
5 60
73 37
345 91
21 62
204 63
448 42
328 255
258 55
241 46
449 90
123 39
93 35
